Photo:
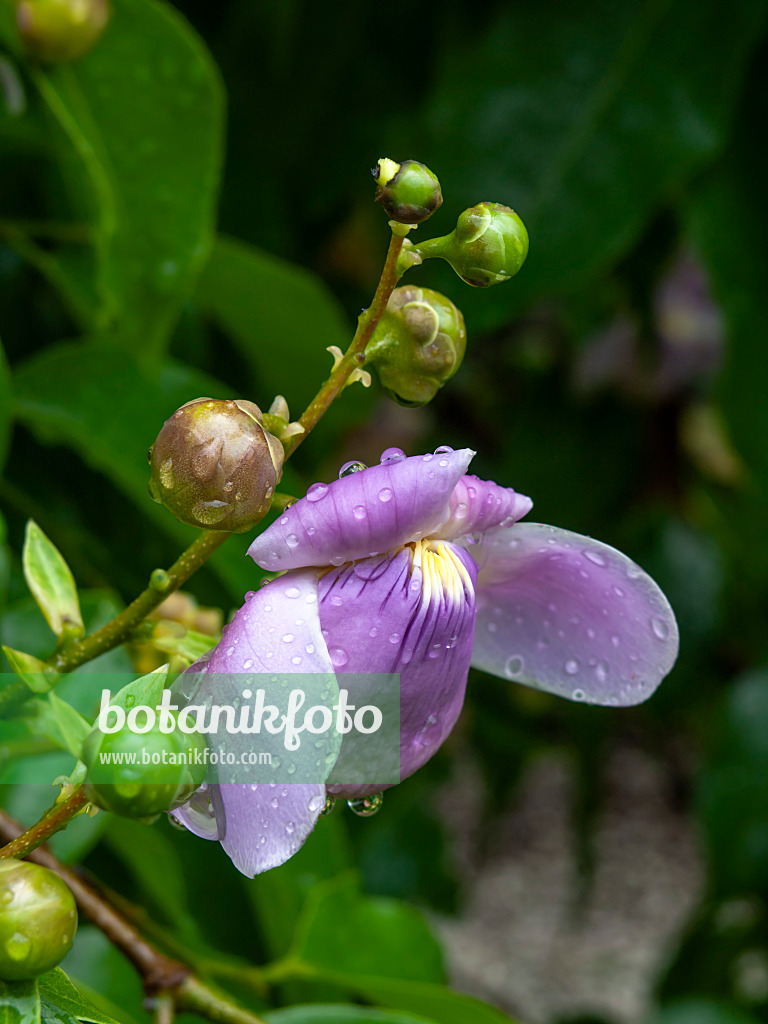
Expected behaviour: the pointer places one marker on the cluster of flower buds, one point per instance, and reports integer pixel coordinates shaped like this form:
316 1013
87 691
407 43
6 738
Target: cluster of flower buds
61 30
153 782
418 344
215 466
488 245
38 920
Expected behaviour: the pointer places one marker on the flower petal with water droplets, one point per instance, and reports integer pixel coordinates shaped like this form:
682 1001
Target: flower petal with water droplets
478 505
567 614
364 514
255 833
410 613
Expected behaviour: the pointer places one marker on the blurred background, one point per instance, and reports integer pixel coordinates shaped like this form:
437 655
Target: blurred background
577 864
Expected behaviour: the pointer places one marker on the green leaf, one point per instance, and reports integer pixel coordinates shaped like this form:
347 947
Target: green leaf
6 408
98 401
38 676
147 690
281 317
700 1011
19 1002
392 938
342 1014
60 723
143 115
435 1002
59 996
51 582
585 123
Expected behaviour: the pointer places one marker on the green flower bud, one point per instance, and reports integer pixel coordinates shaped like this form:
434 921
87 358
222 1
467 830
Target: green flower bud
215 466
38 920
409 191
488 245
418 344
153 782
61 30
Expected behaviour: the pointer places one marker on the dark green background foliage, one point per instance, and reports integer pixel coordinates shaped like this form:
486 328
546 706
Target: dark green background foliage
187 211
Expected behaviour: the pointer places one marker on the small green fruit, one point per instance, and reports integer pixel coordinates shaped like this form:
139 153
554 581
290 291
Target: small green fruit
60 30
38 920
155 770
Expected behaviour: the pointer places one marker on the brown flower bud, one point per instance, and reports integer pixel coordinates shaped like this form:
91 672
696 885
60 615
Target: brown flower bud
215 466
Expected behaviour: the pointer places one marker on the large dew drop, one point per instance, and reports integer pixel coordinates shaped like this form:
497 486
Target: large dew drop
366 806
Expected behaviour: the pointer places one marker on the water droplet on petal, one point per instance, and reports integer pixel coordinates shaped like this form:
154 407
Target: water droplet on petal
594 556
292 540
514 666
444 449
427 457
288 638
392 455
601 671
394 638
310 648
366 806
359 512
296 660
274 803
290 827
351 467
317 491
315 803
578 695
572 666
618 591
385 494
339 656
292 592
660 629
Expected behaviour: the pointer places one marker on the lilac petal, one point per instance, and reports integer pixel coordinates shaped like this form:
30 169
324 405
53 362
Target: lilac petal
258 826
478 505
364 514
268 823
569 615
410 612
276 630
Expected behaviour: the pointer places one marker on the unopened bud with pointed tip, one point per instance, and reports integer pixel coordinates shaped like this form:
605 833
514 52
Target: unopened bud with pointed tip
38 920
489 245
60 30
215 466
409 192
418 344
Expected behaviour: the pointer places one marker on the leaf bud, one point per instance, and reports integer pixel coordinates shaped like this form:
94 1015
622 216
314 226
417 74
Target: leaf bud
61 30
418 344
38 919
409 192
215 466
488 245
155 770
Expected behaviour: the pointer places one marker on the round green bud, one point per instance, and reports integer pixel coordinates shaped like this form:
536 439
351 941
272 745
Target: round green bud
409 192
488 245
418 344
215 466
60 30
38 919
155 770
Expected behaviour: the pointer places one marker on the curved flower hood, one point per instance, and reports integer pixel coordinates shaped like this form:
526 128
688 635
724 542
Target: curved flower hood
414 567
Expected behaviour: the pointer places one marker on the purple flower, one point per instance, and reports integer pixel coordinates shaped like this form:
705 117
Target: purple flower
413 567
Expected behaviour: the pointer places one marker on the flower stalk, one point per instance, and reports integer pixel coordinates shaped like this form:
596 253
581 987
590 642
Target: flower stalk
55 818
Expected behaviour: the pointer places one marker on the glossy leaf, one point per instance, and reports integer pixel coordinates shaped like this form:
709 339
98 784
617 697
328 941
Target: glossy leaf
57 720
97 401
34 672
584 123
281 317
52 585
147 690
58 995
19 1002
392 937
142 114
341 1014
6 408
